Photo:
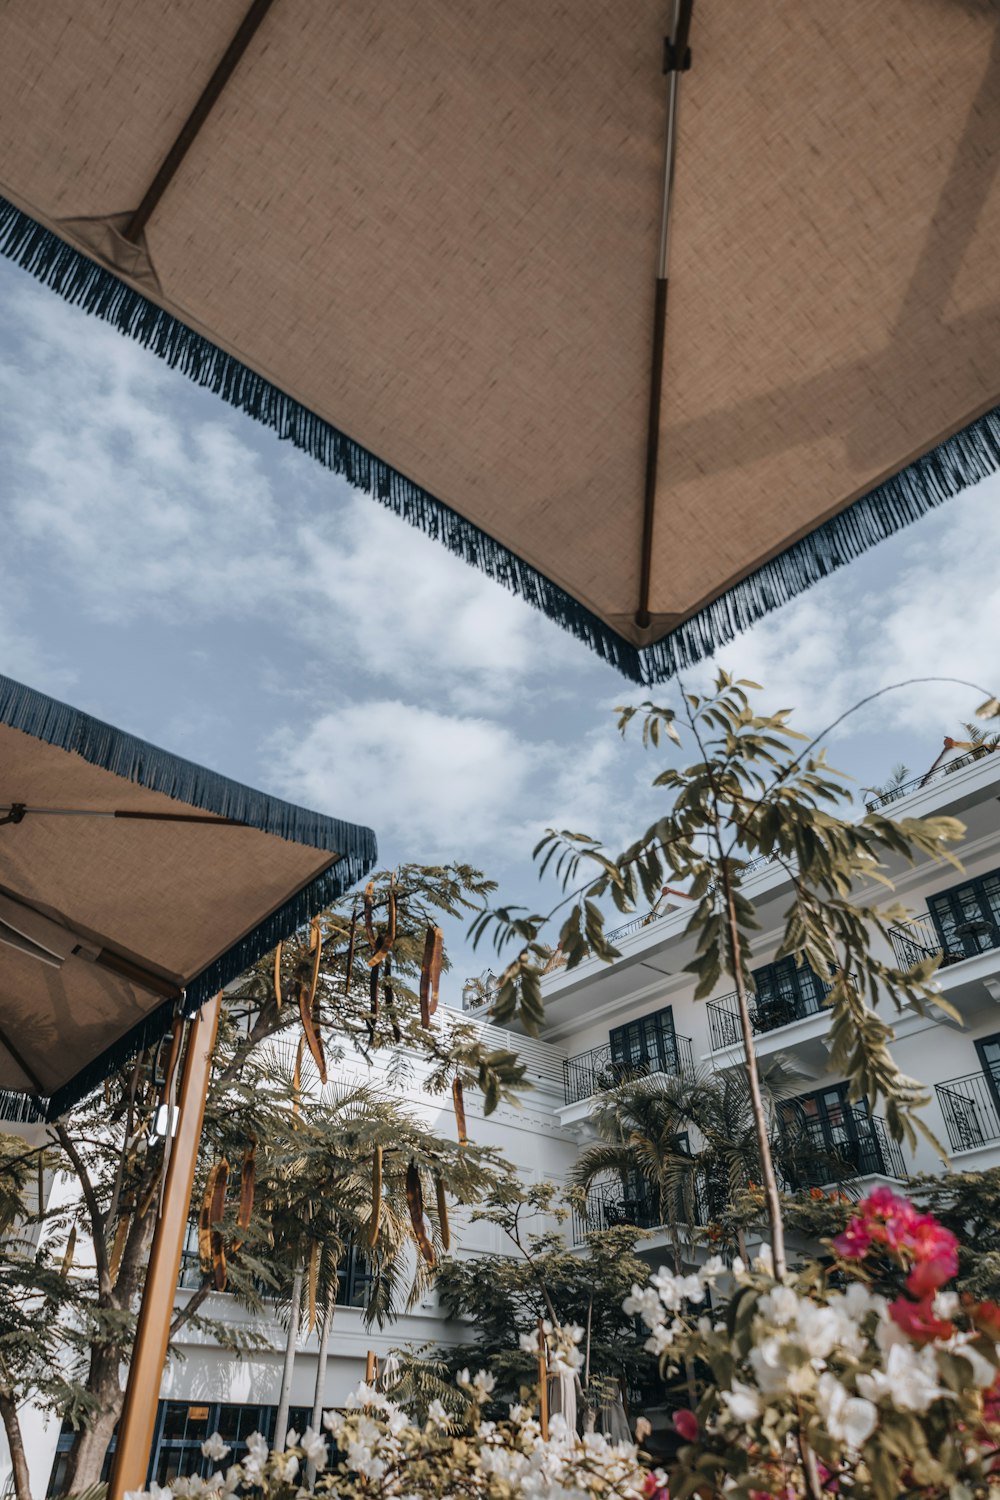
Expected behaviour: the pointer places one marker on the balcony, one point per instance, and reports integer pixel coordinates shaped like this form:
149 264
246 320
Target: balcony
919 938
596 1071
608 1207
766 1014
970 1111
876 804
814 1156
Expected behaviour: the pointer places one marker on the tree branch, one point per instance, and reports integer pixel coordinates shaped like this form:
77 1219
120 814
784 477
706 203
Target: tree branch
93 1210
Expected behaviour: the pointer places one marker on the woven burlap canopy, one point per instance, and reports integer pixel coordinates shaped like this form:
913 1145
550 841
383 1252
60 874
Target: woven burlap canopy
133 886
425 242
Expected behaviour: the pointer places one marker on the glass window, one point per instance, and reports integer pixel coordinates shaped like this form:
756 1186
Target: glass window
646 1045
967 916
786 992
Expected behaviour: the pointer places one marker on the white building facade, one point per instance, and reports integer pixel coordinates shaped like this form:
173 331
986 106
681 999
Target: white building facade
604 1021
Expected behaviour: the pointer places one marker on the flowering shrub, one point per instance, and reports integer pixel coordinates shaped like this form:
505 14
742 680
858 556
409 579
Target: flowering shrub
382 1454
820 1384
815 1384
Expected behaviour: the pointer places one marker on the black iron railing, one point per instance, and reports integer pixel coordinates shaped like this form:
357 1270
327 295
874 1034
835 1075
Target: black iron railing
635 924
595 1071
873 804
919 938
767 1013
814 1153
609 1205
969 1106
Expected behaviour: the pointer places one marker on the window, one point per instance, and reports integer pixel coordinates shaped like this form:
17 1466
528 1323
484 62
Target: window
646 1046
967 916
827 1138
354 1277
786 992
181 1428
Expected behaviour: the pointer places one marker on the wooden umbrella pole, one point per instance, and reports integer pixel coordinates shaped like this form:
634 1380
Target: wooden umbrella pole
543 1383
138 1419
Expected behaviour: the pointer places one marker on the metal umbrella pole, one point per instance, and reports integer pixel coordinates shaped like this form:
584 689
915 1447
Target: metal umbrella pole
138 1419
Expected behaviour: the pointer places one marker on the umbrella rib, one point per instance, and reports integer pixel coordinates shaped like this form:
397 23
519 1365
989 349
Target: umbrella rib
28 1072
196 119
17 811
676 60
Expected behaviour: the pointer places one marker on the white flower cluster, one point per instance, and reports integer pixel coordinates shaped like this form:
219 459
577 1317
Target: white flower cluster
379 1443
564 1357
850 1364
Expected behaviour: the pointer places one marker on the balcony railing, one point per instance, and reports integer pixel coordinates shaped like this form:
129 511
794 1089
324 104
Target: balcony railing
812 1157
595 1071
767 1013
635 924
874 804
608 1205
970 1111
919 938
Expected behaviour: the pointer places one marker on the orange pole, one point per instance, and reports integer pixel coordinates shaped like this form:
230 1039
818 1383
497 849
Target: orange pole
152 1334
371 1368
543 1383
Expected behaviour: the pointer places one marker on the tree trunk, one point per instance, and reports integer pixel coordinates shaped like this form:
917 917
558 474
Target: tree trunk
285 1394
324 1347
19 1463
90 1445
771 1194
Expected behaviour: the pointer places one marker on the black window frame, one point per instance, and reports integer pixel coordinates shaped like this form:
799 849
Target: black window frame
948 913
647 1044
786 991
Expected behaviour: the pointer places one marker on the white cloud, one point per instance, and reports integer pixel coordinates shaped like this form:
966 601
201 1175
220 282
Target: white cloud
925 604
443 786
452 786
147 509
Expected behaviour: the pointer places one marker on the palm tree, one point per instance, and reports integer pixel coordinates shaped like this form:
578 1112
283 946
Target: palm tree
645 1130
349 1175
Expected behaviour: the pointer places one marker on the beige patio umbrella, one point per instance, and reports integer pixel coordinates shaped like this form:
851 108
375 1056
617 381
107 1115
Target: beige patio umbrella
134 885
429 243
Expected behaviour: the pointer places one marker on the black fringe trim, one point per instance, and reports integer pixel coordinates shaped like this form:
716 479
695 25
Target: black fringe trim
145 765
957 463
21 1109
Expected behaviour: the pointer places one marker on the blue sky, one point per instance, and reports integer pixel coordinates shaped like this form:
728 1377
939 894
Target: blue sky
171 566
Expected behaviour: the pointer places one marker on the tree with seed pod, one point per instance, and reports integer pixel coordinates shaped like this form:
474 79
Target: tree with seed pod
352 1173
317 989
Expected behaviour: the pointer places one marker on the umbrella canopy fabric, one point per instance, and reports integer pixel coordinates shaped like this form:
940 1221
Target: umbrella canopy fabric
133 886
428 247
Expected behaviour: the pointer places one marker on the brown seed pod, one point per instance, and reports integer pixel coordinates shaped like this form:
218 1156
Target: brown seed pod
213 1203
388 937
67 1260
430 973
415 1203
376 1216
277 976
458 1099
352 940
118 1248
297 1076
310 1032
373 983
369 910
247 1180
442 1208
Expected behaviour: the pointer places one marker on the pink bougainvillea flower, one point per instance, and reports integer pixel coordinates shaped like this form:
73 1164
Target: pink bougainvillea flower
855 1242
686 1424
919 1321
